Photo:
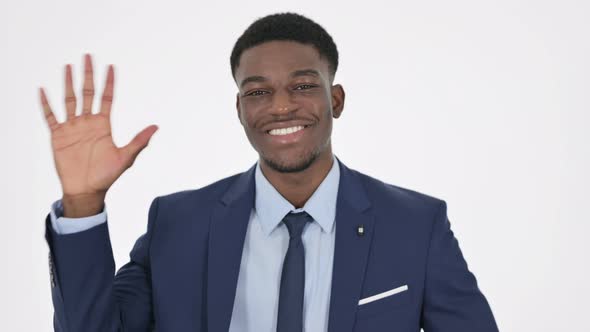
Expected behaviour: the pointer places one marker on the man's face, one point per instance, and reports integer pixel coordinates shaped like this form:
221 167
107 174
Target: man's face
286 103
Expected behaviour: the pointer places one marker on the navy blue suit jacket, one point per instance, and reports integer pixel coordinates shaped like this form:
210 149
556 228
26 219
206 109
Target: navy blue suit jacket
183 271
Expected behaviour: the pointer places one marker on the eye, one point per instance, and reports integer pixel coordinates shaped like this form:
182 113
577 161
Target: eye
305 87
256 93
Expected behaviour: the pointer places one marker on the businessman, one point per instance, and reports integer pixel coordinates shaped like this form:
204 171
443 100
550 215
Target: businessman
298 242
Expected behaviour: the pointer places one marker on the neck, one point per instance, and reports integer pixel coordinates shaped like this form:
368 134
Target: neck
298 187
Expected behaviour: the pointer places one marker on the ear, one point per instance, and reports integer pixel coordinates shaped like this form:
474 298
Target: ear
337 100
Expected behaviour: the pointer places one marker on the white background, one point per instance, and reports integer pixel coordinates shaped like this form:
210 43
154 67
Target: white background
484 104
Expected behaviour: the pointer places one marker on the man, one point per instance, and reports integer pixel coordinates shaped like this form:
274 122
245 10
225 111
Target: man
297 242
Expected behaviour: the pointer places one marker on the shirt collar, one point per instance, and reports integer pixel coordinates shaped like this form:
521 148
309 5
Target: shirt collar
271 206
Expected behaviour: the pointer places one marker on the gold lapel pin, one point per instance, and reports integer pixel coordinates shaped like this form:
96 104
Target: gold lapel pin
360 231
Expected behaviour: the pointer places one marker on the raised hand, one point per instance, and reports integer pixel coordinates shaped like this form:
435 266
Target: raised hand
86 158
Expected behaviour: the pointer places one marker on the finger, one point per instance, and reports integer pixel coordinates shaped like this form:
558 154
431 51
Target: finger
138 143
88 88
49 116
107 95
70 98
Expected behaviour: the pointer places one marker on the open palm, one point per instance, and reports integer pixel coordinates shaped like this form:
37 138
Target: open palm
86 158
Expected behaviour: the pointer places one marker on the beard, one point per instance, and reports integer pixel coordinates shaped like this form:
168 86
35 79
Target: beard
301 164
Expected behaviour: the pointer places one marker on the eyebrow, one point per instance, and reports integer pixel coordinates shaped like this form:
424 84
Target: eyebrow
305 72
252 79
297 73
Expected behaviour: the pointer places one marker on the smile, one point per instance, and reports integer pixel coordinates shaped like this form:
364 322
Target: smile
286 131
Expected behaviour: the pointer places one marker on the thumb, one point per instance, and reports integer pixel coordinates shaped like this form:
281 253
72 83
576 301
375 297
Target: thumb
138 143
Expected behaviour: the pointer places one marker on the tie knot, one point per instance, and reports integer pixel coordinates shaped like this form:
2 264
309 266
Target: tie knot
295 223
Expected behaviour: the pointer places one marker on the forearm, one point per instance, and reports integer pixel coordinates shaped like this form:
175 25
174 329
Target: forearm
87 295
83 274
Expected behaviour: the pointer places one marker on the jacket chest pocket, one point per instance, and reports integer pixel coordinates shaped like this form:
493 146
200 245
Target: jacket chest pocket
383 302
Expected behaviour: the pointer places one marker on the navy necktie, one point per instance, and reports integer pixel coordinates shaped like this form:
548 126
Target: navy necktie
290 316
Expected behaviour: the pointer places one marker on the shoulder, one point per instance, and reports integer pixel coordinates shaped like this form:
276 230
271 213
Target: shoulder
205 196
390 198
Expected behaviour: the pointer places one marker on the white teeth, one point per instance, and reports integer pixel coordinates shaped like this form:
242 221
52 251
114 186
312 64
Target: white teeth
285 131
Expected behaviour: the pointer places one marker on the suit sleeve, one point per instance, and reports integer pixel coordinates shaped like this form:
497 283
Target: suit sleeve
452 299
86 293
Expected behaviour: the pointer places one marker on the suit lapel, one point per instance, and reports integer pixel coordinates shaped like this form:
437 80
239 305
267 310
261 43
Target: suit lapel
351 250
229 223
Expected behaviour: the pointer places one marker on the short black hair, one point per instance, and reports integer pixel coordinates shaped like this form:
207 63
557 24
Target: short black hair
289 27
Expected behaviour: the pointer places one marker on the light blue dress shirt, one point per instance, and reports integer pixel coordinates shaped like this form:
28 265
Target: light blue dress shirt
257 293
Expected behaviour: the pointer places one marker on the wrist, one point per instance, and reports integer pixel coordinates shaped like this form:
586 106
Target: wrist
82 205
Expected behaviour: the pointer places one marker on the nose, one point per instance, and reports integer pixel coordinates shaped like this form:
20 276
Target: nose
283 103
